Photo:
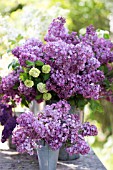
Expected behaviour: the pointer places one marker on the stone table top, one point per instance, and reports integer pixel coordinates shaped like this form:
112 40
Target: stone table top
12 160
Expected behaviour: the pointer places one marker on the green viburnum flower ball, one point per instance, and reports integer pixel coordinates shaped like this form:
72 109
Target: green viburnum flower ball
46 68
34 72
102 33
47 96
41 87
28 83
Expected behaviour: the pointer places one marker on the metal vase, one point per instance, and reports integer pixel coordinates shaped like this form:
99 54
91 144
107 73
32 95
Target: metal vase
63 155
47 158
36 107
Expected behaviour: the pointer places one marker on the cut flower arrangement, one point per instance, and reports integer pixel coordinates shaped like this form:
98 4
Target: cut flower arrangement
55 126
66 68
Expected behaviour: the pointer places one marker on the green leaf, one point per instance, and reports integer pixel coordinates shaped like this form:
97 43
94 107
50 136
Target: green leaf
10 65
14 64
104 68
24 102
29 63
51 59
13 103
37 80
23 76
81 104
26 70
9 50
106 83
95 106
19 37
38 97
15 86
106 36
46 76
12 41
39 63
111 87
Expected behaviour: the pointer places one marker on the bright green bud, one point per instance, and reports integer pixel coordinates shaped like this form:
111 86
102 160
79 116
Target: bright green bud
46 68
42 88
102 33
47 96
28 83
34 72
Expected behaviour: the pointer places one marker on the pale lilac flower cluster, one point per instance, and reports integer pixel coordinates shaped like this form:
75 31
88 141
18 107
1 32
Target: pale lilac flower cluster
31 50
55 126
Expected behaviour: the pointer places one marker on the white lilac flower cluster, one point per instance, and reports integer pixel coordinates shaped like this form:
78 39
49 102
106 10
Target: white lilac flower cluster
56 127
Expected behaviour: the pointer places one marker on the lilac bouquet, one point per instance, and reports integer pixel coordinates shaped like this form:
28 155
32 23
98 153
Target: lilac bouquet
66 66
55 126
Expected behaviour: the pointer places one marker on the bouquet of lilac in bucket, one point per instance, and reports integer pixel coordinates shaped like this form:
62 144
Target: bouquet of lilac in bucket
50 129
65 69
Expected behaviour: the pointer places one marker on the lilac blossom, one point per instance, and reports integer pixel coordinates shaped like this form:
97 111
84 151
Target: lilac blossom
75 60
74 66
23 140
7 119
8 128
8 83
55 126
56 30
101 47
28 93
31 50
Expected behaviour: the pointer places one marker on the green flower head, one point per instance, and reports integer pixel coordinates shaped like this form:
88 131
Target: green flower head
46 68
34 72
41 87
102 33
28 83
47 96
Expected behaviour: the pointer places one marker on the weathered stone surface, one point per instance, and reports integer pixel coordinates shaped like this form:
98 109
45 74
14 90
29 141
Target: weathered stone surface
11 160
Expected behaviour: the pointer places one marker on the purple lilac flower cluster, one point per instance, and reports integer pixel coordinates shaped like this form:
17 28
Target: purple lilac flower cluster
12 87
55 126
8 128
75 60
75 64
101 47
7 120
31 50
29 93
8 82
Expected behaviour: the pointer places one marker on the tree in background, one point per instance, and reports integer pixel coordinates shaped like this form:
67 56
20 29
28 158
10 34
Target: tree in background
86 12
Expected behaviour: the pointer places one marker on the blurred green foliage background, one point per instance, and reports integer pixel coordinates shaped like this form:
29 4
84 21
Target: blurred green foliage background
22 19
